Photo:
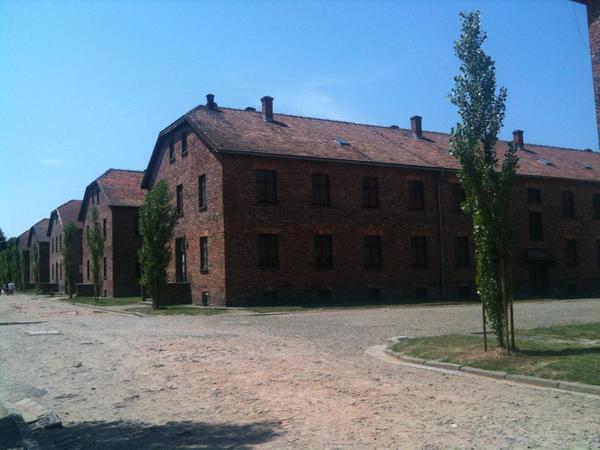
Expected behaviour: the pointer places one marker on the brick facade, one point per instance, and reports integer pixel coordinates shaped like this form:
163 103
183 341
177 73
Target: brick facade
116 196
593 14
59 218
38 238
233 222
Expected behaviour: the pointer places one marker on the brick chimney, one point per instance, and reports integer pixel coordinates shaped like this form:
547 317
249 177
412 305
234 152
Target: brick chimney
267 108
210 101
416 126
518 139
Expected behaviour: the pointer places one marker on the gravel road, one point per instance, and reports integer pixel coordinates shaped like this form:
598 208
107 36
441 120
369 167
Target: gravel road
300 380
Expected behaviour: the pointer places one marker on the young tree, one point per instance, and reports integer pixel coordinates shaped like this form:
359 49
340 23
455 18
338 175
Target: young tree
95 243
15 265
69 261
35 265
157 219
487 181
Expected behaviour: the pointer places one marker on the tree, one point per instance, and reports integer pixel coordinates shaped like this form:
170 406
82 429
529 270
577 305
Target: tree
15 265
95 243
157 220
35 265
69 261
486 181
2 240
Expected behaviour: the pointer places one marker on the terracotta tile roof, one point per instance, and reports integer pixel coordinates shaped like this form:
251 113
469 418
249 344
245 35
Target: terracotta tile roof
244 131
119 187
38 232
66 213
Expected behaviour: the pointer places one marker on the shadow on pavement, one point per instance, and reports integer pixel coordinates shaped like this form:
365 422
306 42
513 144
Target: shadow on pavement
171 435
19 323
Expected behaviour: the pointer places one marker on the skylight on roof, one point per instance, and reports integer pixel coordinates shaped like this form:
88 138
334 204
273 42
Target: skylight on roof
586 166
342 141
546 162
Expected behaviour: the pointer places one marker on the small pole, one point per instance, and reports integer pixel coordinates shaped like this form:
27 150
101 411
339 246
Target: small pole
484 329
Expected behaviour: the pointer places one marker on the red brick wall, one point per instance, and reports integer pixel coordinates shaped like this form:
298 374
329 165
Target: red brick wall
56 258
593 12
196 223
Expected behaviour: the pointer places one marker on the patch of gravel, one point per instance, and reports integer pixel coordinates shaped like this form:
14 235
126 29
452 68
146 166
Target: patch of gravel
297 380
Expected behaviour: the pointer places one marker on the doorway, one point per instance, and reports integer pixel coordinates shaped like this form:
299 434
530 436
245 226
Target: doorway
539 279
180 260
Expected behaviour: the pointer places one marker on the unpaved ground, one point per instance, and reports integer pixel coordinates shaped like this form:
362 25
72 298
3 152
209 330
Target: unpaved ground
281 381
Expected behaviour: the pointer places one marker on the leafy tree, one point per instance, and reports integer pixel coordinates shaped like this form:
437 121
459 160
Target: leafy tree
15 265
69 260
487 181
2 240
35 265
95 243
157 220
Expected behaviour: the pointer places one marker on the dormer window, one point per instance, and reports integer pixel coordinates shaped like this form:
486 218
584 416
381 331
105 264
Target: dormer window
341 141
546 162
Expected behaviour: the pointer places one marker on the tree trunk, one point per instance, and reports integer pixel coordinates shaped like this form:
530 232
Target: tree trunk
484 326
504 305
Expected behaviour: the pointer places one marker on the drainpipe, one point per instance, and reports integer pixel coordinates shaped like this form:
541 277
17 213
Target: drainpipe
439 179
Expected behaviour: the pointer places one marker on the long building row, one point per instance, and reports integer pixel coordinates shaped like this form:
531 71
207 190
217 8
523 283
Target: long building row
276 208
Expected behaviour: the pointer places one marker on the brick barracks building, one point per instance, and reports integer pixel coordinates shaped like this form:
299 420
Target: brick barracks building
37 237
117 196
59 218
284 209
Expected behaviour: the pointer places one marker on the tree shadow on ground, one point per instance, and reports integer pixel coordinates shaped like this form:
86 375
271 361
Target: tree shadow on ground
562 351
171 435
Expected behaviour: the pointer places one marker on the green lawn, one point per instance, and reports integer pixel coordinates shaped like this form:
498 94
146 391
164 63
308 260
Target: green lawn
177 309
541 358
104 301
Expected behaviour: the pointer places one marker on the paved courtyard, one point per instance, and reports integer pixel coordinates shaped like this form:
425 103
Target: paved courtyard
300 380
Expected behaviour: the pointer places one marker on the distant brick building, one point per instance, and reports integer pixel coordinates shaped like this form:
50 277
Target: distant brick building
117 196
285 209
60 217
37 237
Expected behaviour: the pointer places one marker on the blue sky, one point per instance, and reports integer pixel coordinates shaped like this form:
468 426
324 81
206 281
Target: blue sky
87 85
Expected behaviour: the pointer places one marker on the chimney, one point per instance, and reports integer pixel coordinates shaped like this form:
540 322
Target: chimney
518 139
267 108
210 101
416 126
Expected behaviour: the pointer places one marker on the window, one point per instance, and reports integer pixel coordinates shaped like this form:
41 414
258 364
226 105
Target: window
571 252
568 208
97 196
60 241
372 246
596 205
266 186
179 191
204 254
88 270
53 271
104 228
320 189
323 251
60 271
536 232
268 250
370 192
184 147
461 252
171 152
52 245
598 252
415 195
534 196
458 197
180 260
419 251
104 267
202 191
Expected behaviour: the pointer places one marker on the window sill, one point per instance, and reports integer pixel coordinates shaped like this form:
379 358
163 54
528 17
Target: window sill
184 154
172 161
204 271
202 209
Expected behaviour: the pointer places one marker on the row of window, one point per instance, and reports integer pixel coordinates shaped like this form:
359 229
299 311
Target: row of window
104 270
56 244
534 197
57 272
184 147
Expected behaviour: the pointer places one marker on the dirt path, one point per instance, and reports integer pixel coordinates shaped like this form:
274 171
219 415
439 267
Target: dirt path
293 381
